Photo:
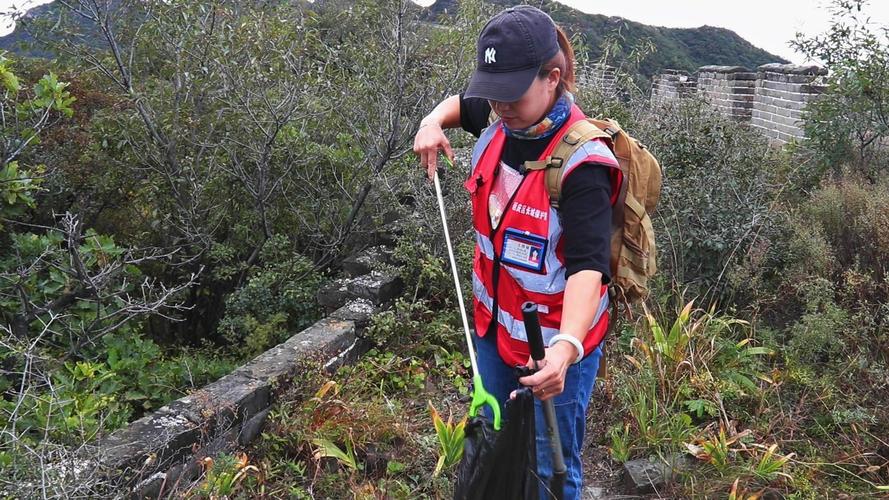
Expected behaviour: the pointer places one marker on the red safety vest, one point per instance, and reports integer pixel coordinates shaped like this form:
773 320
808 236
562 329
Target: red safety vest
522 259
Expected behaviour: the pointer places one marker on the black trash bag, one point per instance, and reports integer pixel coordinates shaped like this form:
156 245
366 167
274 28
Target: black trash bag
501 464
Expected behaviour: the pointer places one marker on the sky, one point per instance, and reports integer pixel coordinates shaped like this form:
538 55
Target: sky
767 24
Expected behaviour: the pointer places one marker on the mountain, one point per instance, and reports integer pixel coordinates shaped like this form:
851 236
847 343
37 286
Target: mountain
19 41
684 49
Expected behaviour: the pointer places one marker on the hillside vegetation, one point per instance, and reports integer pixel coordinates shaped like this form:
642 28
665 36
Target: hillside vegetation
684 49
174 194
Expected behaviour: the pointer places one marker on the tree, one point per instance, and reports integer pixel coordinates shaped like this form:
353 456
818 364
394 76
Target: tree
849 122
62 289
245 121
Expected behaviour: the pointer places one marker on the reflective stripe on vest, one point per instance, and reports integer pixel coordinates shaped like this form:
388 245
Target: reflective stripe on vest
516 326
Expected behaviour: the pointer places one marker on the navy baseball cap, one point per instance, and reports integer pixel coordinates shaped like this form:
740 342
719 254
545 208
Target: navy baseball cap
512 48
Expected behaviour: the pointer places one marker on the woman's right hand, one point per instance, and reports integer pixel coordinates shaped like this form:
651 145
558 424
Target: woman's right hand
430 139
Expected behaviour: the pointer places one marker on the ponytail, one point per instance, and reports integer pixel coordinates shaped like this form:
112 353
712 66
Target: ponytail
564 60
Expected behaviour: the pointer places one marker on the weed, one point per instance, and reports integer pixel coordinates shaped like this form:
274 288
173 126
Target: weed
620 442
327 448
450 440
741 494
716 450
770 465
223 475
701 407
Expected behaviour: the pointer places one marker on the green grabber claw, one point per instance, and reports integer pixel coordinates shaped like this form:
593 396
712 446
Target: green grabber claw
481 397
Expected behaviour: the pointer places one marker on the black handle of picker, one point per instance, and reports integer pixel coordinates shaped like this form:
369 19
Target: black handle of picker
532 328
535 343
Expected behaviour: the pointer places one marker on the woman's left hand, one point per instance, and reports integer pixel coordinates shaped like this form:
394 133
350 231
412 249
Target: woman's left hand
549 381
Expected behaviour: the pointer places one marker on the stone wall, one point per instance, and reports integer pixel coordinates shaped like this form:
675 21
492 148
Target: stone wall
772 99
671 85
729 89
165 449
782 91
601 77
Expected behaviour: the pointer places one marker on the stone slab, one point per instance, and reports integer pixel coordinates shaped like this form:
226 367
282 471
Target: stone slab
723 69
181 474
797 69
228 412
225 403
378 287
366 261
594 493
644 476
325 338
358 311
334 294
149 444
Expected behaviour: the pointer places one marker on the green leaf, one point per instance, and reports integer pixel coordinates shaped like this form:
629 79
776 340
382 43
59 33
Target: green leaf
394 467
755 351
134 396
743 381
10 81
327 448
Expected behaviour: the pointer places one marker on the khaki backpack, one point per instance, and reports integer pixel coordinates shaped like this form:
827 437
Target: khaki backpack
633 255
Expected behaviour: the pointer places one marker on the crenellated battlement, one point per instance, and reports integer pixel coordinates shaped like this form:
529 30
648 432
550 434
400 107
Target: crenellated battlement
772 98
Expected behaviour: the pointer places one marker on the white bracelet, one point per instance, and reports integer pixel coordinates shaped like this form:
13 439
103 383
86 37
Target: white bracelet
571 340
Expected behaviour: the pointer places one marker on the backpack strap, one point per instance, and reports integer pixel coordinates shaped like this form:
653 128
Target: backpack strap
578 134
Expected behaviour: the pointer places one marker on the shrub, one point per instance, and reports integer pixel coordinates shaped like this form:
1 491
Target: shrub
848 123
693 364
837 242
277 300
814 338
720 186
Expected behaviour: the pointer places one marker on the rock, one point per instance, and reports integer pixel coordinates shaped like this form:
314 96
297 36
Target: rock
151 487
356 265
594 493
335 294
366 261
358 311
181 475
224 443
388 236
649 475
378 287
644 476
251 428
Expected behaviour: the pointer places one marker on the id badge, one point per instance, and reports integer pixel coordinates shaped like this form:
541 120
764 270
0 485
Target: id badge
523 249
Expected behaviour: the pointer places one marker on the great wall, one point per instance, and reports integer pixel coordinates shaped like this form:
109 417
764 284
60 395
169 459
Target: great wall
771 99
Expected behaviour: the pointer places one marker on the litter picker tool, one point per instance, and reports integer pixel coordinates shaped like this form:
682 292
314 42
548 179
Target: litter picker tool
480 396
535 343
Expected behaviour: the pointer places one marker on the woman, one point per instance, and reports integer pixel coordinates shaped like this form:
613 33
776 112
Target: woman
525 75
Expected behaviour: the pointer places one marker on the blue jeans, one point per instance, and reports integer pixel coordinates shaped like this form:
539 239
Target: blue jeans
500 380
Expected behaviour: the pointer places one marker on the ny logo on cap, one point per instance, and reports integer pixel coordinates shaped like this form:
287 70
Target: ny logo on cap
490 55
